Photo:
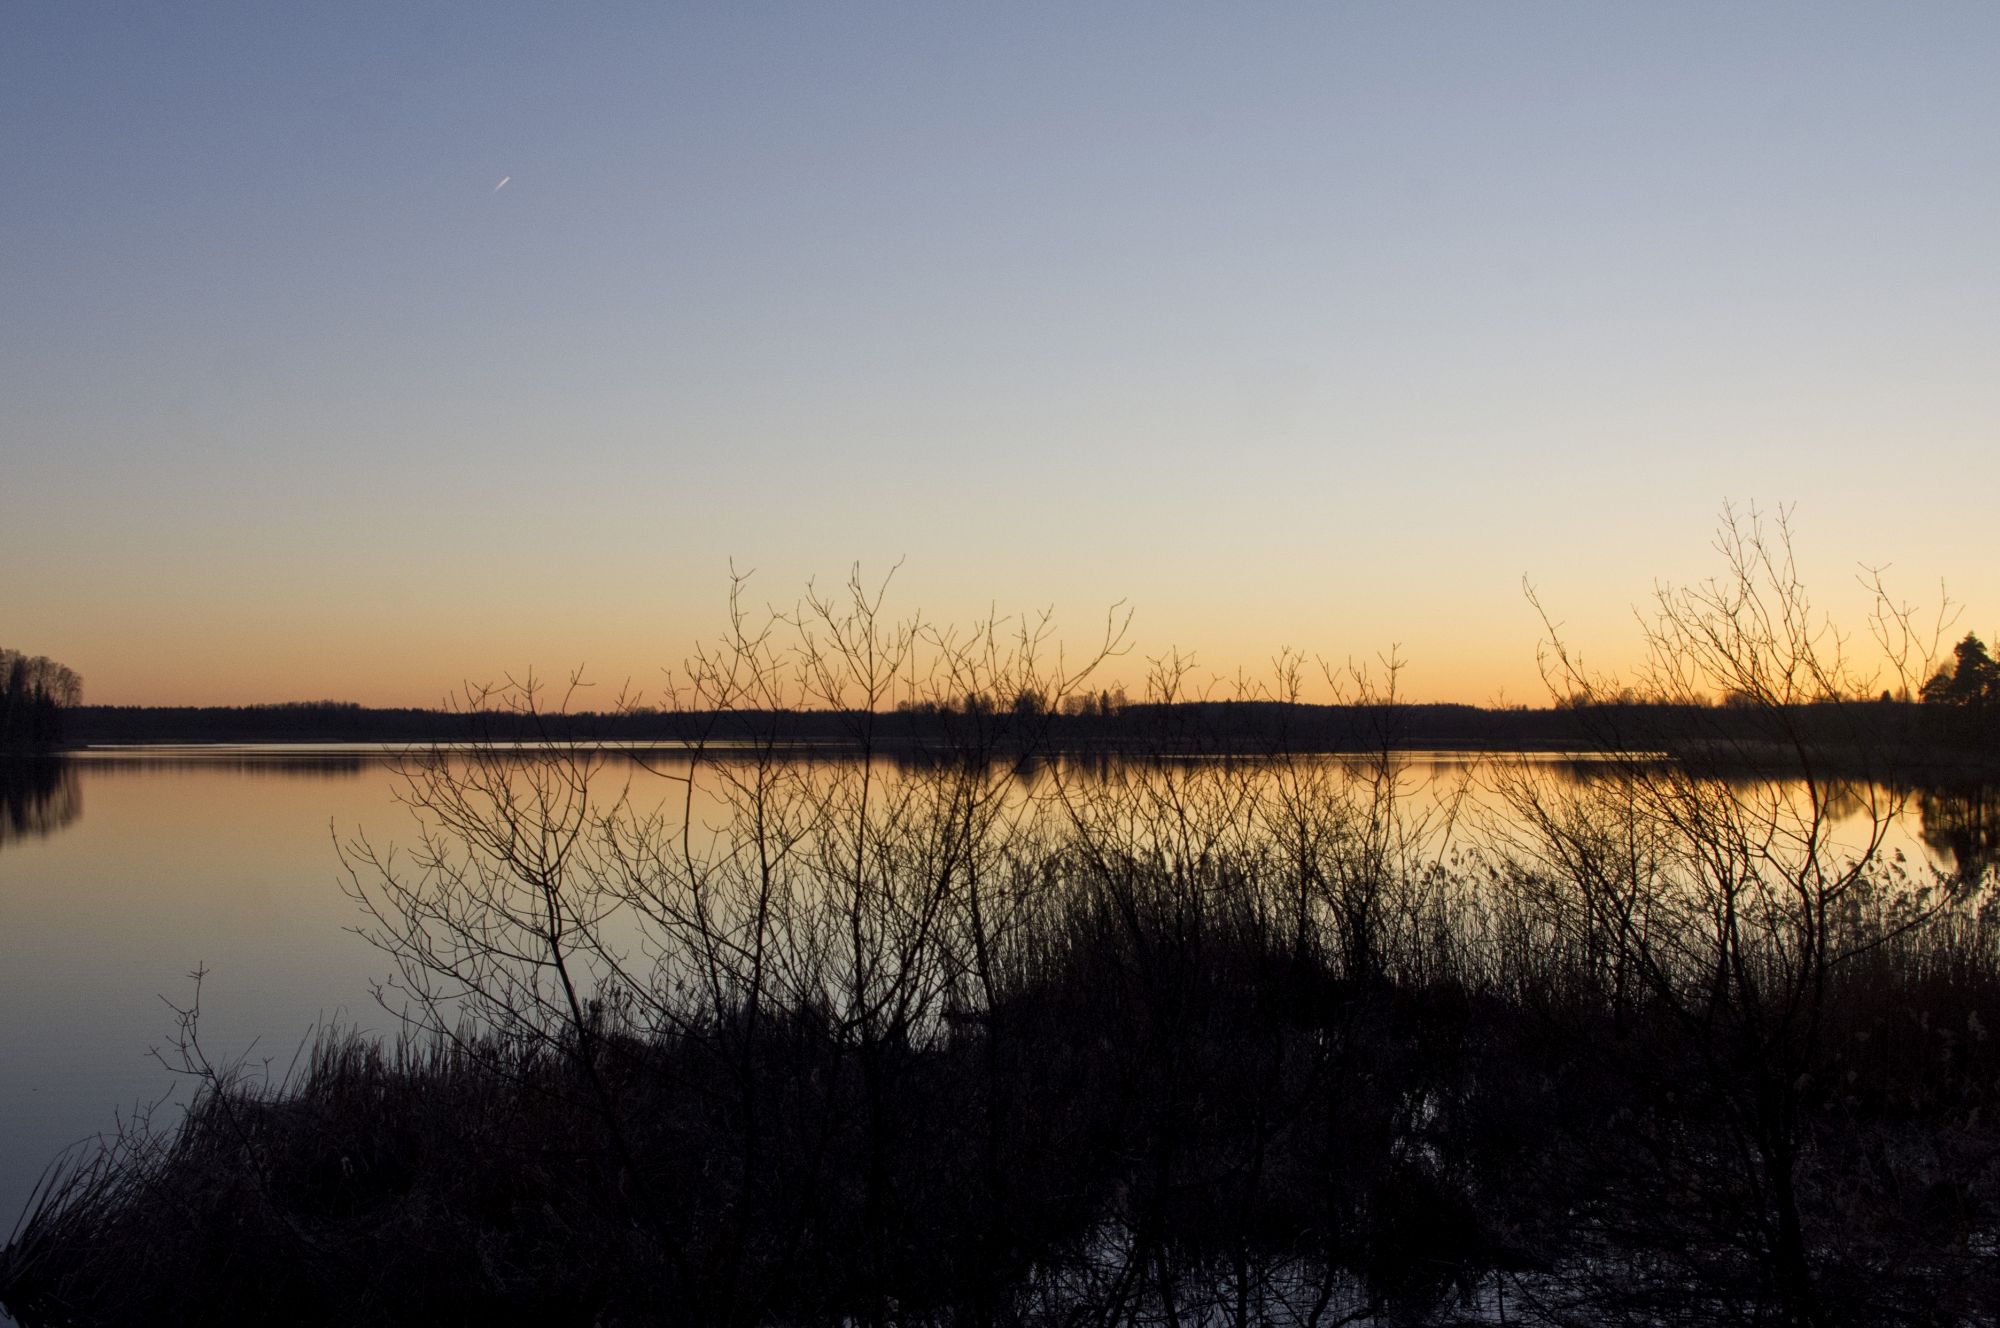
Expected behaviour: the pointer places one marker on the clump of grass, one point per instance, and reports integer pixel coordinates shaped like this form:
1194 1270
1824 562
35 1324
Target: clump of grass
380 1182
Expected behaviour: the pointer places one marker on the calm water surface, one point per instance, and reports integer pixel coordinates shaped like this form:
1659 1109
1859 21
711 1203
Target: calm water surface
121 873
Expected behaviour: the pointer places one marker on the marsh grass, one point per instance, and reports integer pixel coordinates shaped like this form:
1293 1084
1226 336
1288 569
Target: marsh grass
1173 1111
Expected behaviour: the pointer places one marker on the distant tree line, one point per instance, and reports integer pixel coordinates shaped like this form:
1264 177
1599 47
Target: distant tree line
1027 701
35 691
1963 697
1102 722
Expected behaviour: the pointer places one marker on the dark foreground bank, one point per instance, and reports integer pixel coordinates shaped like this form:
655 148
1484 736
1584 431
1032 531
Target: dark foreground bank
1168 1102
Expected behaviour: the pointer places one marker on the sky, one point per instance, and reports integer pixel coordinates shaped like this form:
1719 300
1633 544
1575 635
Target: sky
363 350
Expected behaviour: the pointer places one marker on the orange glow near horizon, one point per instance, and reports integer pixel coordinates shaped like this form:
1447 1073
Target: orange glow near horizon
1481 660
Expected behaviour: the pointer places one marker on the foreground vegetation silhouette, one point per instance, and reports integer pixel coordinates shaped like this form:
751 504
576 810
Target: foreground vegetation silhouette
1141 1041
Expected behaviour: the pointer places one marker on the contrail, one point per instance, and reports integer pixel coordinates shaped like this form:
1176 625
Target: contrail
503 183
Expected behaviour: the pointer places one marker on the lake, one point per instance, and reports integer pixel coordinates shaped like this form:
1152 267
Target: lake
122 872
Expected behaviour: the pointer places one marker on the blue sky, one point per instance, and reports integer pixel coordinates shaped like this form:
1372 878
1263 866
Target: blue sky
1317 326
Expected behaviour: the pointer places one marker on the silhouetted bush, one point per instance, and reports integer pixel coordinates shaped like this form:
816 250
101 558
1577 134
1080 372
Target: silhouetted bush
1169 1101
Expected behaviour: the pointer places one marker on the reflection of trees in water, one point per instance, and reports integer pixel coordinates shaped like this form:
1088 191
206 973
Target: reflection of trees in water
37 798
1964 821
290 766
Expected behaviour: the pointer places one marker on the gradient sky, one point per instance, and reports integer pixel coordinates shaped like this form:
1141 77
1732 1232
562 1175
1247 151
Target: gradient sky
1314 325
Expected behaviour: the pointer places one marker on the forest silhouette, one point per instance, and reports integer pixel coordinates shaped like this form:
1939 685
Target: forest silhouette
35 694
